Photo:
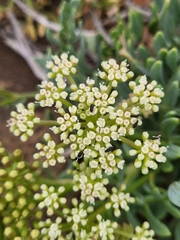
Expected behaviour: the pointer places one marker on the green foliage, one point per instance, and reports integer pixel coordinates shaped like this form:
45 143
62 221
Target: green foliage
174 193
157 194
72 39
160 62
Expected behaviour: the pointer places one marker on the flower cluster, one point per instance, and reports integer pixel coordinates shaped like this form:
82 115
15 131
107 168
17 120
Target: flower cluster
50 198
93 125
61 66
50 93
119 200
50 151
17 187
90 121
77 215
104 230
50 230
146 95
143 233
148 152
23 121
114 72
91 187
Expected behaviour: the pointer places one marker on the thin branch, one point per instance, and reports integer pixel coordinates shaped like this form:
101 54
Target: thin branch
101 29
37 16
130 5
20 45
47 23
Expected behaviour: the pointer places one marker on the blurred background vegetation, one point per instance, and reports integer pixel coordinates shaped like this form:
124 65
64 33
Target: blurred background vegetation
147 34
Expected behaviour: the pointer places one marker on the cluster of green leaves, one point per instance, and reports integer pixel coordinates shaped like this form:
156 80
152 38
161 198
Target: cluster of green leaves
161 61
73 39
158 58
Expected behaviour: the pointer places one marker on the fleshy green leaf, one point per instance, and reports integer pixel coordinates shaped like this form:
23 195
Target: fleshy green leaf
177 75
136 24
162 54
172 93
167 167
174 211
150 61
173 113
172 59
159 42
143 53
160 228
51 37
173 152
168 125
156 71
177 231
174 193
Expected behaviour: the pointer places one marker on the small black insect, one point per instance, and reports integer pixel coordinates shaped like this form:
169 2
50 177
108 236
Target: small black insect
134 115
80 157
92 108
155 137
135 124
109 149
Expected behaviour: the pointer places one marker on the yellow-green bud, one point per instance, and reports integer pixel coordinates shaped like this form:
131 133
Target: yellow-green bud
9 196
31 206
21 189
2 150
8 184
17 153
13 173
25 213
35 187
2 172
15 213
18 238
35 165
5 160
8 232
22 202
7 220
28 176
2 204
39 214
34 233
20 224
21 165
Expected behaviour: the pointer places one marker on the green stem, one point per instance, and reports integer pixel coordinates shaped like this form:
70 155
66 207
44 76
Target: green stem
128 142
109 87
66 227
56 182
71 80
123 233
153 199
97 211
65 102
47 123
137 64
27 95
137 184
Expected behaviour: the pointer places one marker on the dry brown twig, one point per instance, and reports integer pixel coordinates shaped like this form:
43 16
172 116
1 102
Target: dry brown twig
45 22
130 5
19 44
99 27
